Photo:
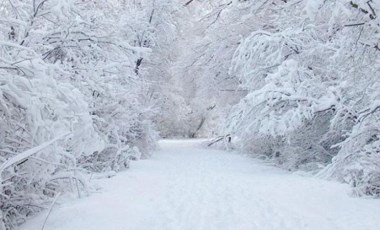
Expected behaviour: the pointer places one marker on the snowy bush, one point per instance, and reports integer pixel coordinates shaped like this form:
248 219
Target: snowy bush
357 162
34 109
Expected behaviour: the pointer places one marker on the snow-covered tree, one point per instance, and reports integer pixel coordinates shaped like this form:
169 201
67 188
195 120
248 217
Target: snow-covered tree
72 99
310 78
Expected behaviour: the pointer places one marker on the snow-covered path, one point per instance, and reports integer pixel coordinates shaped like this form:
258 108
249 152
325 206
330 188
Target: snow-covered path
185 187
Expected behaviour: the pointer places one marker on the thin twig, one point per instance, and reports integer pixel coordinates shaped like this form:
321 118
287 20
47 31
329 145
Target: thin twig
50 209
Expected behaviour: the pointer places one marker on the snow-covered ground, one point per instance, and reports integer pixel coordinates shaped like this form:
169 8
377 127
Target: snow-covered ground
185 187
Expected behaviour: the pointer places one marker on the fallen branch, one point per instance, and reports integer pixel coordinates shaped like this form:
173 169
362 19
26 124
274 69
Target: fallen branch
218 139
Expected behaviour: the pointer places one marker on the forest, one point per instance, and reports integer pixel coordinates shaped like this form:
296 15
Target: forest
87 87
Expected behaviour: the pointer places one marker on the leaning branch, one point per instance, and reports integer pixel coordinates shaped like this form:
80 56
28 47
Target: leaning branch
30 152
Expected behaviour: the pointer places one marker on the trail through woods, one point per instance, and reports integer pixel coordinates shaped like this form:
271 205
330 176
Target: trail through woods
186 187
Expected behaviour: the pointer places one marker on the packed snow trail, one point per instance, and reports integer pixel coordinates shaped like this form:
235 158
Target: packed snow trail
186 187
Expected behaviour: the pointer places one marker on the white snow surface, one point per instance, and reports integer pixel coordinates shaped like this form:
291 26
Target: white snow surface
186 187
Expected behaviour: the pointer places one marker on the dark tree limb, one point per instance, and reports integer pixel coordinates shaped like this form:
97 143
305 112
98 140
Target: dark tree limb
188 3
138 64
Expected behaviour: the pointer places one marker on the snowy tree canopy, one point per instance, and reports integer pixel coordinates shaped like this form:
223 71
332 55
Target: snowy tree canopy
88 86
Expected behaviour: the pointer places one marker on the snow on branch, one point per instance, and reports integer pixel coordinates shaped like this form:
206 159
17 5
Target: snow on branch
21 156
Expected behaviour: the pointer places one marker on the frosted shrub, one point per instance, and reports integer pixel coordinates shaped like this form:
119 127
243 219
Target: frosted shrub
357 162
